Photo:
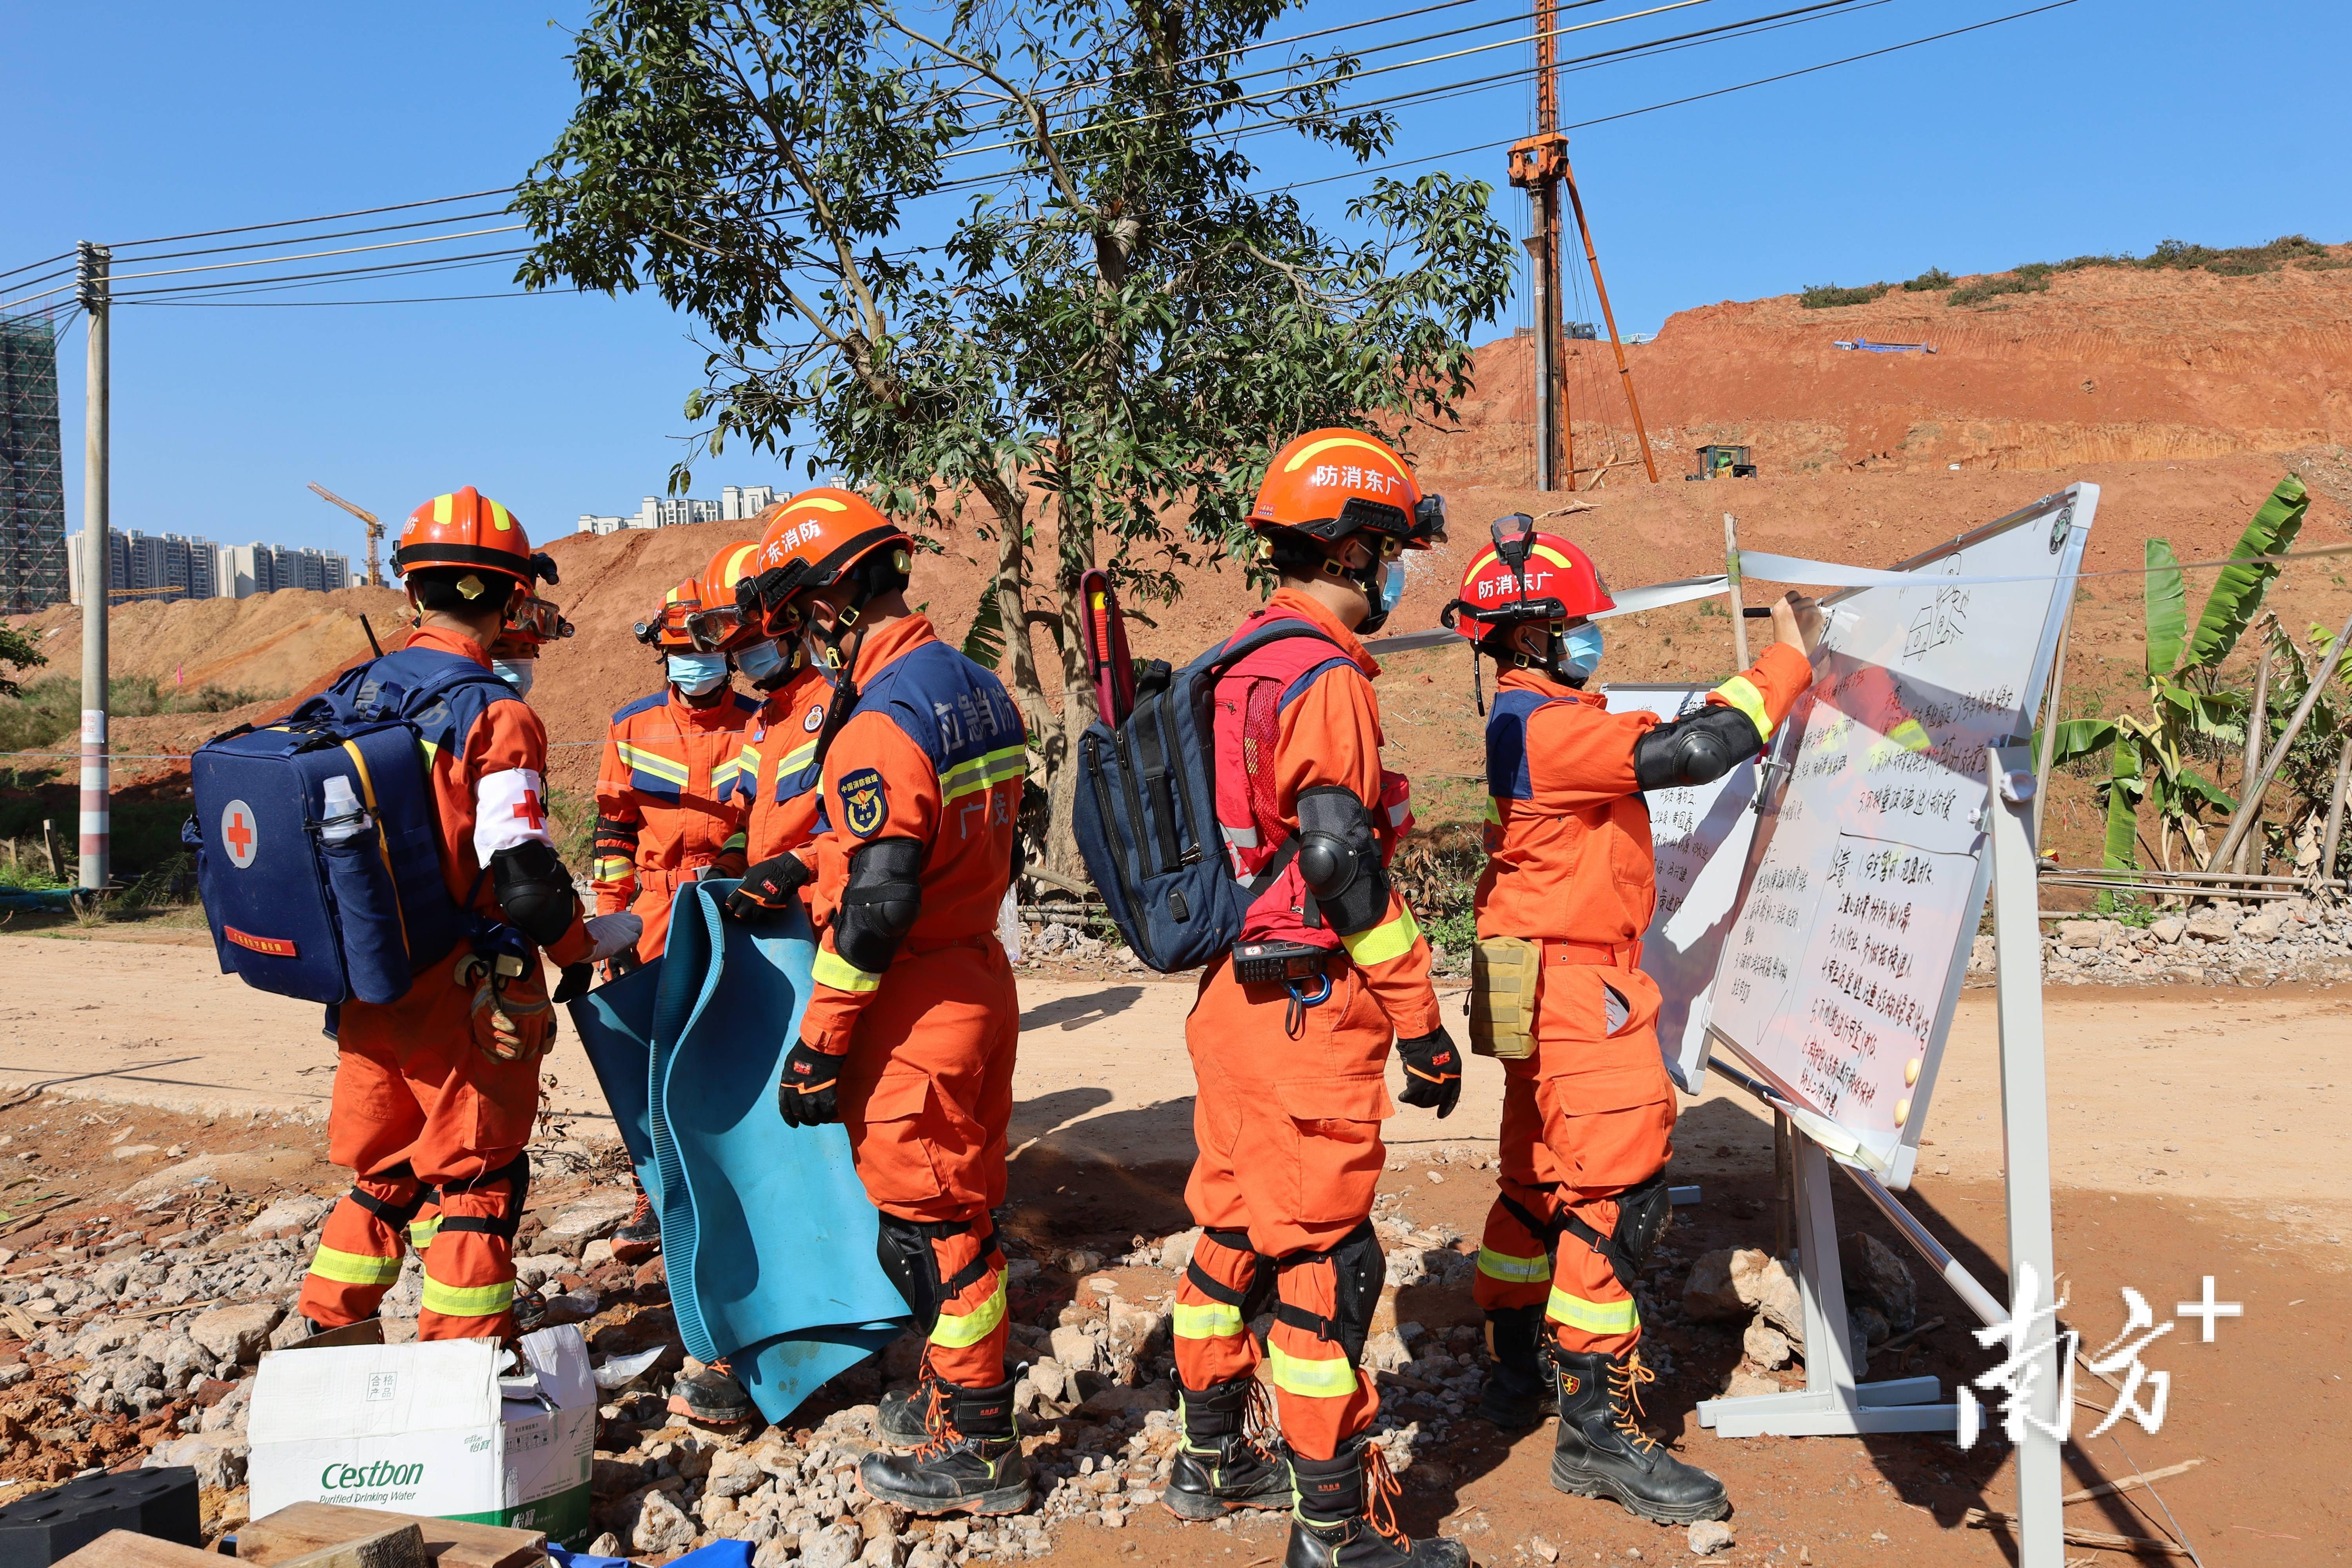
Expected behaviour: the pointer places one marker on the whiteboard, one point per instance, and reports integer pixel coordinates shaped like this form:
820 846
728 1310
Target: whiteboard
1701 836
1837 979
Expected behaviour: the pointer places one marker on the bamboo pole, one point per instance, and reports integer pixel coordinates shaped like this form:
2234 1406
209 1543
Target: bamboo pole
2257 721
1734 590
2332 835
2249 806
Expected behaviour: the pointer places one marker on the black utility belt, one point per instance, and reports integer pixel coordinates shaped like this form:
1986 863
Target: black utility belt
1261 962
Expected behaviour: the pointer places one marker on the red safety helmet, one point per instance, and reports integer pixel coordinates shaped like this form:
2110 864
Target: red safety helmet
667 628
1328 484
719 625
466 528
812 543
1525 576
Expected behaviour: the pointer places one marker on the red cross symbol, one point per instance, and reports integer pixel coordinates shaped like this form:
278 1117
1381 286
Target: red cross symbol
528 811
240 836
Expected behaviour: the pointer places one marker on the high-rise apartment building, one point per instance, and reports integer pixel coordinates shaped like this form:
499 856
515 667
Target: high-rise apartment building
735 503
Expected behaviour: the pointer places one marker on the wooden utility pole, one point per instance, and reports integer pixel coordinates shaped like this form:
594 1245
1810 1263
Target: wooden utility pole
1539 166
96 794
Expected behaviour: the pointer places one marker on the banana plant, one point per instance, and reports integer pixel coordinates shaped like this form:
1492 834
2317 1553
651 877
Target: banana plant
2191 713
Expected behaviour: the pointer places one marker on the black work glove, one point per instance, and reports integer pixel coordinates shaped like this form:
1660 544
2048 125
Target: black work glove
766 893
805 1094
574 982
1433 1072
623 962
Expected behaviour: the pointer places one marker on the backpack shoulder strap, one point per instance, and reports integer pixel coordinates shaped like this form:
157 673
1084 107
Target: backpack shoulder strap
1218 660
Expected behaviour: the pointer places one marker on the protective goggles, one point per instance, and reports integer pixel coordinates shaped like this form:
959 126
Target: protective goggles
537 619
1425 527
669 627
715 630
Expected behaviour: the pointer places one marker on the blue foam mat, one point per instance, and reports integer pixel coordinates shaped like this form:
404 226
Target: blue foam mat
768 1234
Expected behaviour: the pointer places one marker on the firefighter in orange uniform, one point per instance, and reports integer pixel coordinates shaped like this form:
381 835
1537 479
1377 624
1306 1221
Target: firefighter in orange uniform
666 807
921 756
435 1094
1291 1034
1588 1109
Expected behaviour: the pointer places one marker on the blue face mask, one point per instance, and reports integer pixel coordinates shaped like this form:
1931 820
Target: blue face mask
516 672
760 661
1583 649
1393 585
698 674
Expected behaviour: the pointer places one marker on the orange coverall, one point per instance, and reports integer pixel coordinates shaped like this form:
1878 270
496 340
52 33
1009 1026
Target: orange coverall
926 1090
1592 1112
434 1130
667 806
1289 1128
775 785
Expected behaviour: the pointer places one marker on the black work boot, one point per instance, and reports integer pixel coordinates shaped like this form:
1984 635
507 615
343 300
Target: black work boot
1344 1517
711 1396
1223 1464
639 1236
1518 1394
903 1416
972 1462
1601 1450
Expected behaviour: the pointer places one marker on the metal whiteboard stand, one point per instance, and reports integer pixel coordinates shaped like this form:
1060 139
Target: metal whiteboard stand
1831 1403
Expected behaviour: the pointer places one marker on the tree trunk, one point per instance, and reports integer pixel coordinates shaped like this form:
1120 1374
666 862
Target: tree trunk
1073 557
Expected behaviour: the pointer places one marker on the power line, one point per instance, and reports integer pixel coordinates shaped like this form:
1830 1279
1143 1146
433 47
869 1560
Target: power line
337 272
338 234
319 255
315 304
43 262
285 286
322 217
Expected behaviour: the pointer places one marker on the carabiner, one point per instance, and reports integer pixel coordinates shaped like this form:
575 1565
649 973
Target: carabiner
1294 1017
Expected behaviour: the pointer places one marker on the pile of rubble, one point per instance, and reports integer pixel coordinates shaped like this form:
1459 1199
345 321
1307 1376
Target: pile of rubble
1061 943
2220 943
1745 1285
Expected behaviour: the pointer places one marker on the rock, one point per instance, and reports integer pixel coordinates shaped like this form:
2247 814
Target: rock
1709 1295
1876 1276
2267 926
654 1523
774 1552
1981 956
1867 1329
883 1552
587 1220
2213 923
2086 933
1709 1536
733 1472
299 1210
1081 1261
236 1333
1385 1352
1544 1550
292 1331
614 1477
606 1545
1776 1300
1076 1348
835 1546
1138 1329
1050 1378
136 1151
596 1254
881 1520
2167 929
217 1458
1117 1396
1745 1382
1176 1252
1767 1346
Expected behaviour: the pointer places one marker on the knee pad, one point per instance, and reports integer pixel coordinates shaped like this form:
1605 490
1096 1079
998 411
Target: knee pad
1251 1299
516 1173
903 1246
1643 1212
1359 1269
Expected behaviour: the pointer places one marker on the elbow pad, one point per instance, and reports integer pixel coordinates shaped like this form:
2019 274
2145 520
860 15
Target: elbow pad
880 905
1698 748
534 890
1339 859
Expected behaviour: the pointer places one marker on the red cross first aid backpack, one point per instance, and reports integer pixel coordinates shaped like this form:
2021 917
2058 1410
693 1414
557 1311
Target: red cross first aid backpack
316 838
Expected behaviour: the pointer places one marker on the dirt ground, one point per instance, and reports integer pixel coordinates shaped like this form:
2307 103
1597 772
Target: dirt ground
2156 1096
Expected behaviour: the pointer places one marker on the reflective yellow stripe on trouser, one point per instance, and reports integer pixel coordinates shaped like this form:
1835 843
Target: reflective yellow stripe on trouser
1389 938
1207 1321
831 969
1328 1377
1514 1270
468 1300
955 1334
421 1232
1592 1317
1741 693
353 1268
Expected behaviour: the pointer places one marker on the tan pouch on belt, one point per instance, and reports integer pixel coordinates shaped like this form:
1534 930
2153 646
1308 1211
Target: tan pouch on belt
1504 971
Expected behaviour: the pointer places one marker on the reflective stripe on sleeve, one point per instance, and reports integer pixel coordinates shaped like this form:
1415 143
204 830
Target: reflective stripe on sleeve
1315 1377
954 1333
353 1268
1389 938
1514 1270
612 870
831 969
984 772
1740 692
1593 1317
1208 1321
654 762
468 1300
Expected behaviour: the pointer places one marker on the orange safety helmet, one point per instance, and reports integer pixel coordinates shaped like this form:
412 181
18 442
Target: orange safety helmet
812 543
719 625
666 629
1525 576
466 529
1327 484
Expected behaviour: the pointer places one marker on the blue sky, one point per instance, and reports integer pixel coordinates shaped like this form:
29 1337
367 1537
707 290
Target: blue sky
2104 125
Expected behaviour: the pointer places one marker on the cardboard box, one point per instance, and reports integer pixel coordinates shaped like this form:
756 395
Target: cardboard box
430 1428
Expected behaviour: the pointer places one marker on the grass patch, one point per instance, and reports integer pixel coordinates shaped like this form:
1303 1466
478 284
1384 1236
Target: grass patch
49 711
1828 296
2291 250
1933 278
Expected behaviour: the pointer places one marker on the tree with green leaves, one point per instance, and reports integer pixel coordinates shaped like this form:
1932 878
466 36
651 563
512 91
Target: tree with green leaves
1011 266
18 652
2193 715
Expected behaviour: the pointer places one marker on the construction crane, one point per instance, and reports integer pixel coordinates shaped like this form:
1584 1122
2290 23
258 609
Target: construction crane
374 529
1539 166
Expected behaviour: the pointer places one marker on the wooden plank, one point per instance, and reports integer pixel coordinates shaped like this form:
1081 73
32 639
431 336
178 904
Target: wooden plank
308 1527
1985 1519
2136 1479
121 1549
401 1546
